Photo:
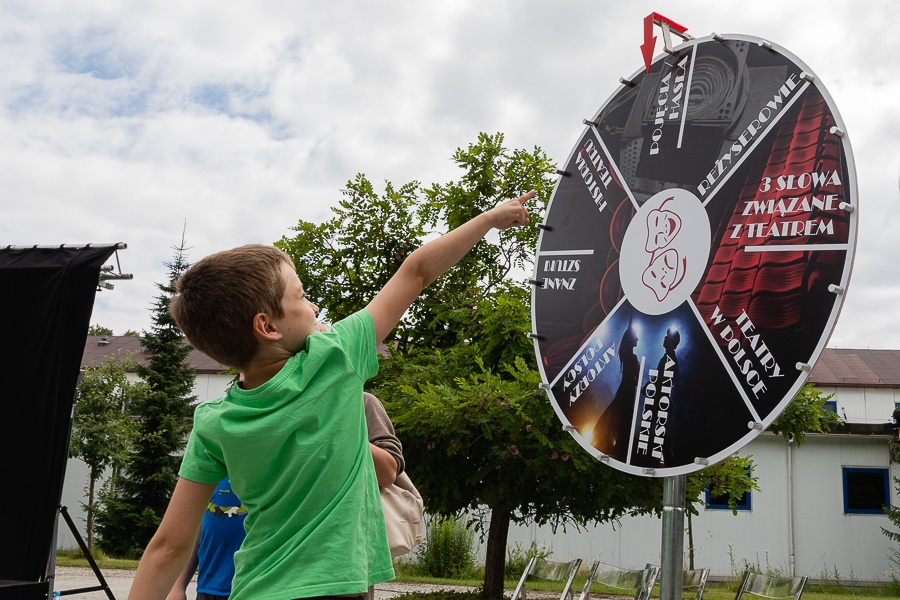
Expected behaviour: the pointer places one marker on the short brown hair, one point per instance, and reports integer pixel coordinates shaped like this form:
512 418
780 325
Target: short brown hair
216 300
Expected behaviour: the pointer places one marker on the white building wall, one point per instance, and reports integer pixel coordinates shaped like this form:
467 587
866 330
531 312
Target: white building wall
206 387
865 405
827 539
725 542
810 535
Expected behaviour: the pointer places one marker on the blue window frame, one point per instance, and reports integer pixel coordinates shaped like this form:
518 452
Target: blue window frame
720 502
830 405
866 490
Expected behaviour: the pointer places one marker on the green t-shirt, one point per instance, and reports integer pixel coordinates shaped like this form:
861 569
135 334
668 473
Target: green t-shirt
296 449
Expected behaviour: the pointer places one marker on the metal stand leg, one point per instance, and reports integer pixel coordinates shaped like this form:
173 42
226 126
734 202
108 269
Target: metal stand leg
672 550
87 554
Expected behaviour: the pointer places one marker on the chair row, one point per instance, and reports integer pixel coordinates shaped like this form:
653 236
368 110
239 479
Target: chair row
640 582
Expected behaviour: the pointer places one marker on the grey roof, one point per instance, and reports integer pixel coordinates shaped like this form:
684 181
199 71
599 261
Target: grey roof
95 348
848 367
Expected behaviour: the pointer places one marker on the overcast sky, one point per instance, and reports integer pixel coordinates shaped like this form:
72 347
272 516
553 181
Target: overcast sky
122 121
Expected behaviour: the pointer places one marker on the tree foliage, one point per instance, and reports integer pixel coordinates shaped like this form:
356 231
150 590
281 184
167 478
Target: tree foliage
893 513
728 479
102 430
99 330
135 499
344 261
461 383
805 414
480 436
479 433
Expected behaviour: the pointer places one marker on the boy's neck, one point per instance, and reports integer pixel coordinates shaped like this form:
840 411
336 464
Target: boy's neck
256 375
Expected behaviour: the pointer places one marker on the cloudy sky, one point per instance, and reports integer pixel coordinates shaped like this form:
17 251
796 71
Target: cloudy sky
126 121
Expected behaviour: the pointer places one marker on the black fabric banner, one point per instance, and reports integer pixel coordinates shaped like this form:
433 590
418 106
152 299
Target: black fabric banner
46 297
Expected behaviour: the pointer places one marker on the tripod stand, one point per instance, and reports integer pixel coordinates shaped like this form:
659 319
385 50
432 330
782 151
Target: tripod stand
87 554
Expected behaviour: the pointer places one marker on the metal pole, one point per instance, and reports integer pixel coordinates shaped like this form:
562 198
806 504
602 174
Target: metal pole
672 551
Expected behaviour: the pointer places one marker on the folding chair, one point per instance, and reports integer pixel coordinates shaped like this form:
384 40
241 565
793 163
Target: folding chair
640 581
694 579
548 570
756 584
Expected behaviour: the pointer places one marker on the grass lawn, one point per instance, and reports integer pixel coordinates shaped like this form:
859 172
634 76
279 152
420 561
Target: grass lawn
714 590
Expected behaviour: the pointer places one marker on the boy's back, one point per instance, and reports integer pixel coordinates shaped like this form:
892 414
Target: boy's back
291 439
297 449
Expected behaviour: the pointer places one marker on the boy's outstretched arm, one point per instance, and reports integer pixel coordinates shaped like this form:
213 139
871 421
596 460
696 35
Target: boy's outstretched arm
179 590
431 260
172 544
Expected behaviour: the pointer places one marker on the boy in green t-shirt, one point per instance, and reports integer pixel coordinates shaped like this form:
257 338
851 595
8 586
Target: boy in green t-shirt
292 437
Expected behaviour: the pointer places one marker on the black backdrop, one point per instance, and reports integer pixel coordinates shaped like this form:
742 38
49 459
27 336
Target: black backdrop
46 297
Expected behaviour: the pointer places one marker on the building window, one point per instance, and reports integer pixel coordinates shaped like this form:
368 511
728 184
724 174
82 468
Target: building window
830 405
720 501
866 490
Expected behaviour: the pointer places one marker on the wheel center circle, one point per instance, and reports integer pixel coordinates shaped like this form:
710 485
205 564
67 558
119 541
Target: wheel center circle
665 251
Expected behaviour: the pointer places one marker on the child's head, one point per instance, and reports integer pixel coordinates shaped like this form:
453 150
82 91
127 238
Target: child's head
217 299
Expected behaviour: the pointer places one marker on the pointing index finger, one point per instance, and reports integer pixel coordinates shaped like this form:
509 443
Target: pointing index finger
526 197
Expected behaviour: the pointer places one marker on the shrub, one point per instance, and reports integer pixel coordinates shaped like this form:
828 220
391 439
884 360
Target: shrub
517 558
449 549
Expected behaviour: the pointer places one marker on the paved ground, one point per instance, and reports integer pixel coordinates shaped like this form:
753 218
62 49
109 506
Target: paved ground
119 582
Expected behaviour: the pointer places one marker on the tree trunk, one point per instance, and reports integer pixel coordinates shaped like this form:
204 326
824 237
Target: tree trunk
90 510
495 555
690 529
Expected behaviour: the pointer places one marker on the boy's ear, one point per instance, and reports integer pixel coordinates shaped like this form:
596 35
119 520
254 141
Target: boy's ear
264 327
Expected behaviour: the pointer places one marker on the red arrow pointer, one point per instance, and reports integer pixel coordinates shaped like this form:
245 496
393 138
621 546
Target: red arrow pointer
649 40
658 19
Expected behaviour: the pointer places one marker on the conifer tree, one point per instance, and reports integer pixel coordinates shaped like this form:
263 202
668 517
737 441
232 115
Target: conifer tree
893 514
135 499
101 428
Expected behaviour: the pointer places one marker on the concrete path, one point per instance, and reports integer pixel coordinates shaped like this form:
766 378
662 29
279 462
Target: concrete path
119 582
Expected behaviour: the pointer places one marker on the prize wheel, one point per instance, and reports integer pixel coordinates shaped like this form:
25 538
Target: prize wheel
694 255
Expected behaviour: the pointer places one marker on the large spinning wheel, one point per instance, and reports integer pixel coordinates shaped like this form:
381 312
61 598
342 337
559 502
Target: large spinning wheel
694 256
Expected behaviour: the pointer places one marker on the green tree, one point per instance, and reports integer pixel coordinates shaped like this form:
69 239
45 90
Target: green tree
806 413
488 442
136 499
893 513
345 260
102 429
99 330
491 174
461 382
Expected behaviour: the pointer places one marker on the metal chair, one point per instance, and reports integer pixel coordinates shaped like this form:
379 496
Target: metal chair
694 579
764 586
548 570
639 581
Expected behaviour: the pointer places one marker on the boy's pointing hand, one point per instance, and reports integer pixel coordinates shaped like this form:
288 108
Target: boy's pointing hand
511 213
